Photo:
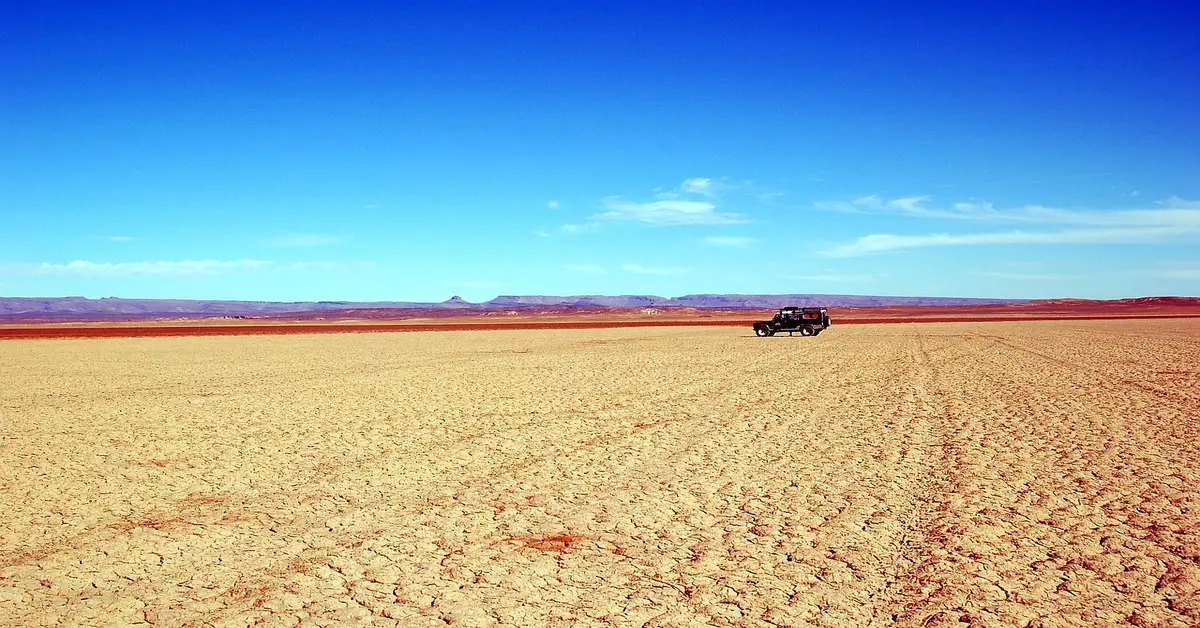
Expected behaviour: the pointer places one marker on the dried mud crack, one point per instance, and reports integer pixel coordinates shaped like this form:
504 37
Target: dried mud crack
1033 474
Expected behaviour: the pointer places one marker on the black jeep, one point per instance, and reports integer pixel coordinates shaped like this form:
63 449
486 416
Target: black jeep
806 321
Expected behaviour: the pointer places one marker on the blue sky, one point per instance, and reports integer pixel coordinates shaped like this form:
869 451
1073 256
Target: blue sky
318 150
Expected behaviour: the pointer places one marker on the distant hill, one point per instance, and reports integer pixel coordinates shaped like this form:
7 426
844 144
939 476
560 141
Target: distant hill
738 301
71 307
80 308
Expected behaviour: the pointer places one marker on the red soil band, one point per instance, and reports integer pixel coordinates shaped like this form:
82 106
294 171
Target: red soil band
246 330
41 332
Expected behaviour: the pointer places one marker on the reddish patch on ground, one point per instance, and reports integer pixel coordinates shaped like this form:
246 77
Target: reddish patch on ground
153 524
239 517
557 543
247 593
197 498
23 558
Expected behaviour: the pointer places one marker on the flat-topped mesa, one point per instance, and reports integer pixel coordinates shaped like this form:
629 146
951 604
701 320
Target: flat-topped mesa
510 300
601 300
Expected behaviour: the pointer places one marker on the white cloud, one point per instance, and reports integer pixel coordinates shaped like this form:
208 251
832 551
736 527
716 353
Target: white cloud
677 206
1173 211
834 276
145 269
909 204
740 242
668 213
576 229
1180 203
475 284
1028 276
662 270
306 239
1181 273
172 268
552 204
698 185
340 266
570 229
116 238
1177 270
585 269
1165 221
882 243
370 206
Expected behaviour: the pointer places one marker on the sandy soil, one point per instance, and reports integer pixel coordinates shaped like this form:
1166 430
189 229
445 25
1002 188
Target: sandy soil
939 474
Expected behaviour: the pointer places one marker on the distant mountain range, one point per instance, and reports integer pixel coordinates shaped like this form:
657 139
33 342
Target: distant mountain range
80 308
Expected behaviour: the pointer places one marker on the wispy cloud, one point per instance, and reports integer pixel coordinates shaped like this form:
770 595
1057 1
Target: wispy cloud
306 239
116 238
910 204
571 229
884 242
552 204
475 284
370 206
1173 211
172 268
142 269
692 202
585 269
1181 273
835 277
703 186
1169 220
695 186
576 229
660 270
668 213
737 242
1027 276
322 265
1177 270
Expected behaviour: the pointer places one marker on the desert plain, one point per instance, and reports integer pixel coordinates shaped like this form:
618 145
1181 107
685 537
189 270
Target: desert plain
938 474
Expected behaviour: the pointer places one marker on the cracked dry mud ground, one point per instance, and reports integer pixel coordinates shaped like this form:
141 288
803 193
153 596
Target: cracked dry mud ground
937 474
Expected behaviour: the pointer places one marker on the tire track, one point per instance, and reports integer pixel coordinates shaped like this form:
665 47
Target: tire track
1055 528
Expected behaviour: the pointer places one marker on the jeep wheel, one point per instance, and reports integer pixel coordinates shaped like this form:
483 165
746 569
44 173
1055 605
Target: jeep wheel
807 330
762 331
